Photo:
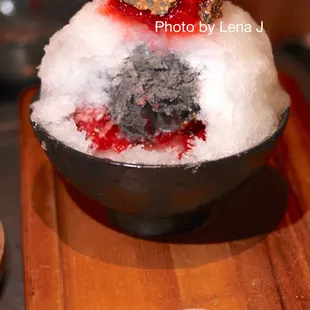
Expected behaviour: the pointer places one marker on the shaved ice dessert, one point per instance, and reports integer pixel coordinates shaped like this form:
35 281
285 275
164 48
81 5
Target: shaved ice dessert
117 84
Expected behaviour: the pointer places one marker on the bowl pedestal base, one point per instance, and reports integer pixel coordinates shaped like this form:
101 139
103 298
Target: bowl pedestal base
149 226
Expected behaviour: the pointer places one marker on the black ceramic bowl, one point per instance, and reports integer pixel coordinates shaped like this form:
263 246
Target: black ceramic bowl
147 200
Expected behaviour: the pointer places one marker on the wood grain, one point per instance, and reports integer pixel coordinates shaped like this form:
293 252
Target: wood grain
253 253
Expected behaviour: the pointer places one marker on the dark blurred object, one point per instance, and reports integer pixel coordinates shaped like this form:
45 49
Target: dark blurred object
21 49
25 28
1 250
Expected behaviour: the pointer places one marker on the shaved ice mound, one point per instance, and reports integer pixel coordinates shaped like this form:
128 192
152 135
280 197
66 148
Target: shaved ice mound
113 87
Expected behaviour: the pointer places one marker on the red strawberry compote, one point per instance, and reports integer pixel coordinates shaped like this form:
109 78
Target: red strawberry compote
107 136
185 11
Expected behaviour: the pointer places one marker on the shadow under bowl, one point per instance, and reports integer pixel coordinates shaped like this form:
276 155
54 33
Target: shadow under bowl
150 201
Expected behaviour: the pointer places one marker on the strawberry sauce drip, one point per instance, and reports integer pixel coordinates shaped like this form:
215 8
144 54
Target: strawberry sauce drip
185 11
105 135
99 128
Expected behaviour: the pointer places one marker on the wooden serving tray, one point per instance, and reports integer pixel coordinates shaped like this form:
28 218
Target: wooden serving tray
253 253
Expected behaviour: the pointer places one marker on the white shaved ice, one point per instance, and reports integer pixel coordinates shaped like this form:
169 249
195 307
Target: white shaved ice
240 97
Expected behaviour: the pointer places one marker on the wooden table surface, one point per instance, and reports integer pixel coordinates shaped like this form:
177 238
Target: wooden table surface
253 253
